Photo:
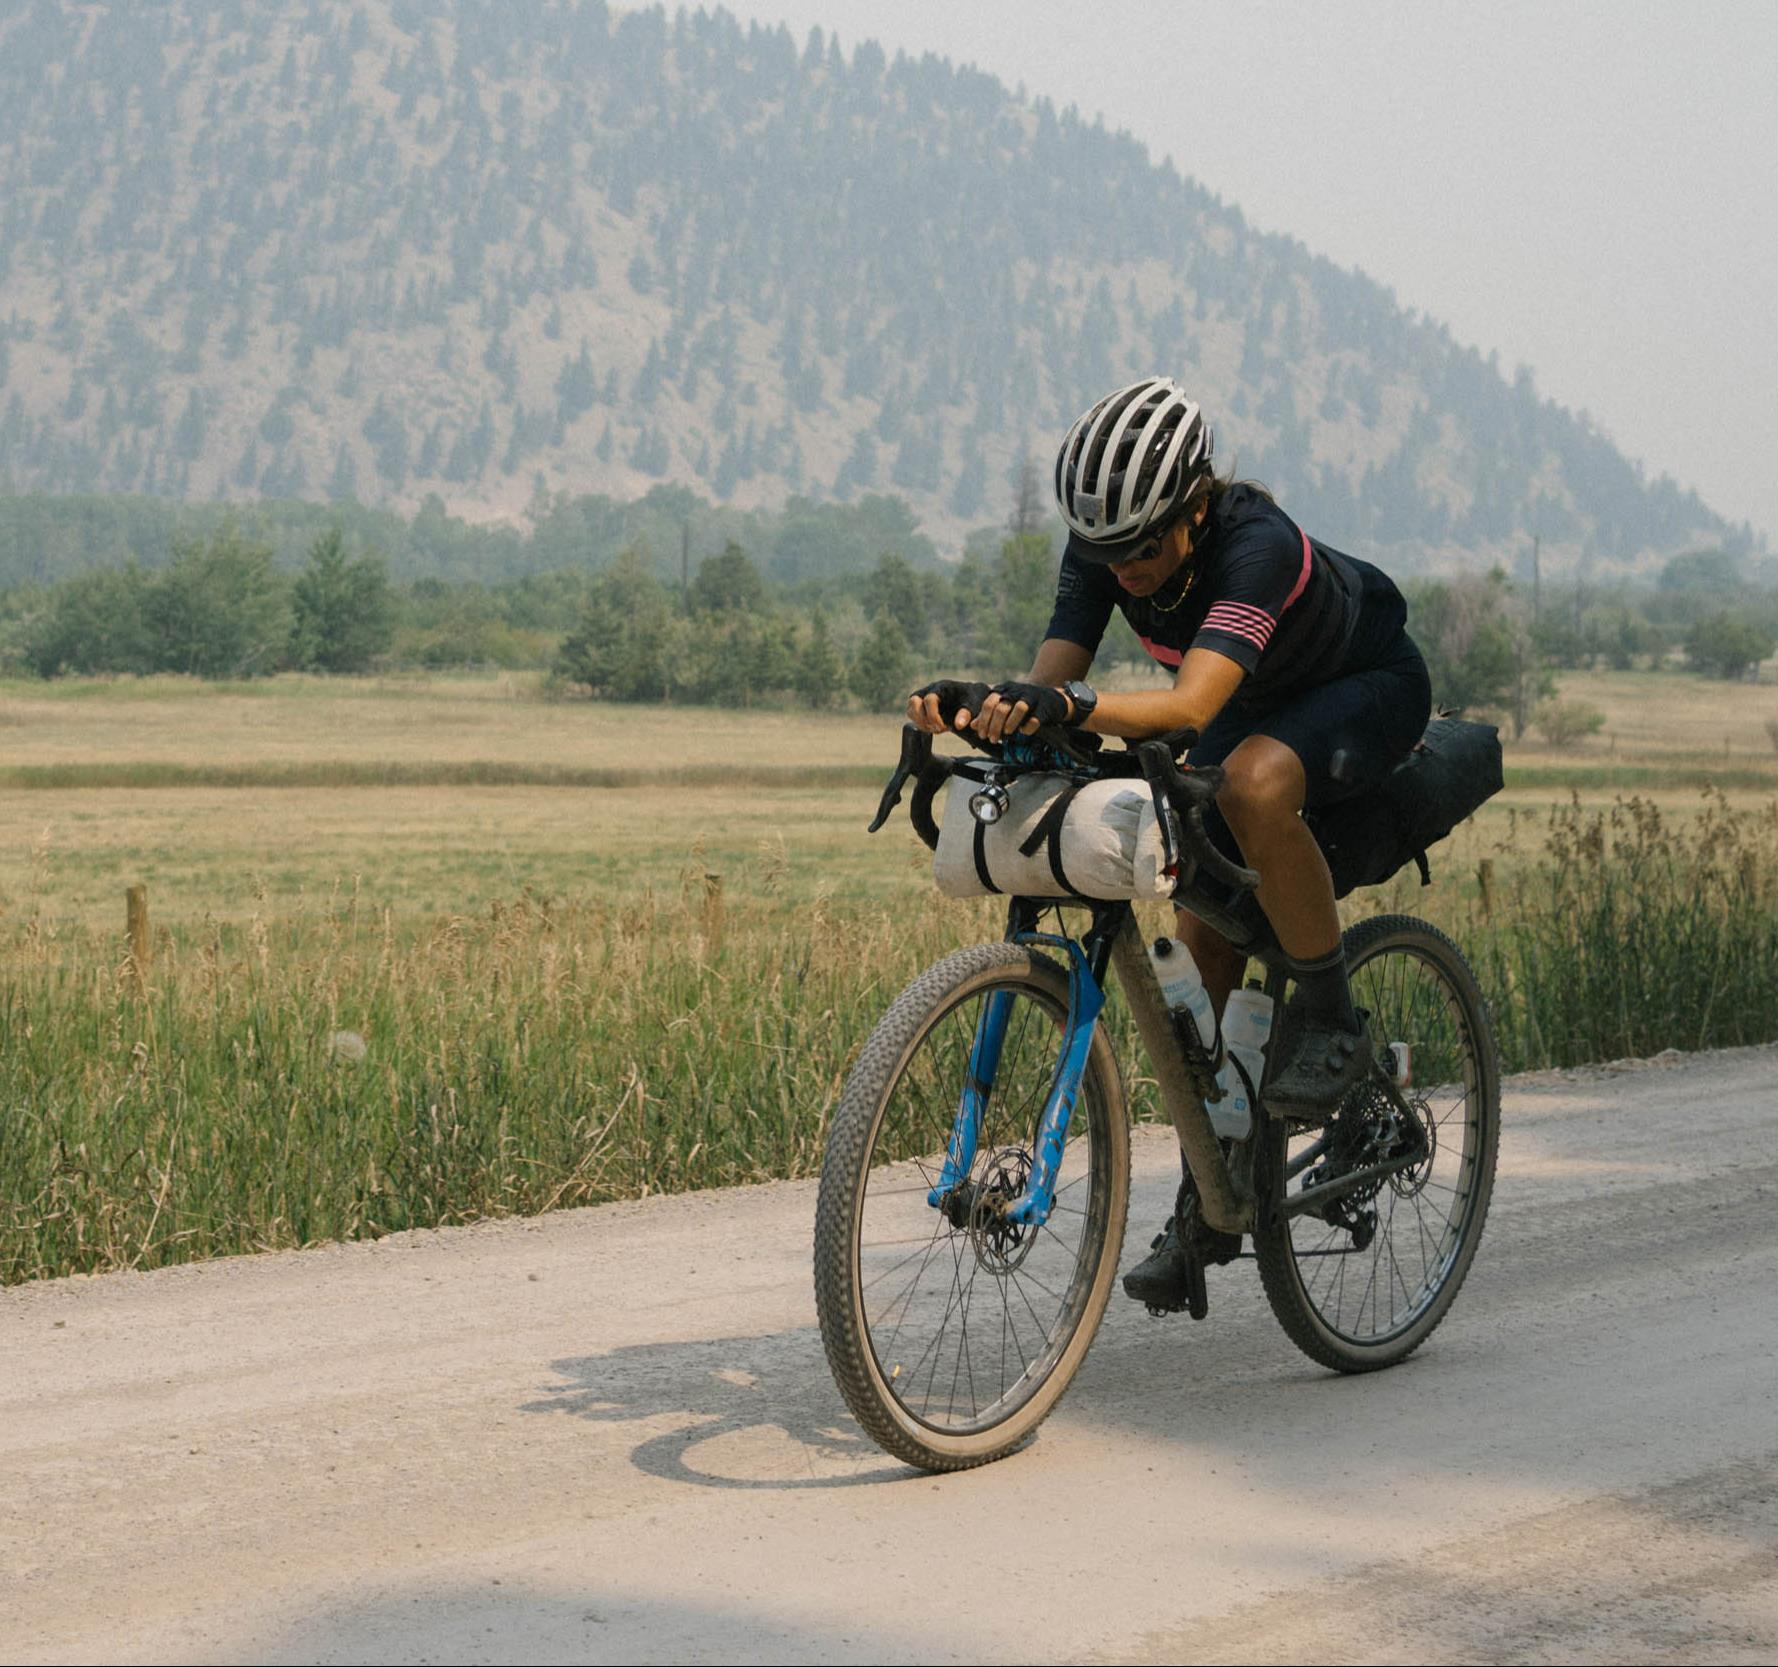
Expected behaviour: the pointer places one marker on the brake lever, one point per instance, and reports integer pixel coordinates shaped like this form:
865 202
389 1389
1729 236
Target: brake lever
1165 779
1208 857
1157 769
916 754
1177 742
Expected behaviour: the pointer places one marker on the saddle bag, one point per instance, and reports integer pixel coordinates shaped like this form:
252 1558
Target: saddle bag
1058 836
1453 770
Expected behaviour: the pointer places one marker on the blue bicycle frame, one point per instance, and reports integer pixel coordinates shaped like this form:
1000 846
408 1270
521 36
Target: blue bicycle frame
1086 1000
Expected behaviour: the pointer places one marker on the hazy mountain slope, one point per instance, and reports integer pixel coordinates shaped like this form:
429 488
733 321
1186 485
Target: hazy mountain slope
252 247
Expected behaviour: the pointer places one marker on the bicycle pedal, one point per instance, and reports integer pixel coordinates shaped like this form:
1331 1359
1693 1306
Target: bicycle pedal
1196 1303
1197 1294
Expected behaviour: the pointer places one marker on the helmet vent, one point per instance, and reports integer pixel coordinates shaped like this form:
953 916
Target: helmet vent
1132 462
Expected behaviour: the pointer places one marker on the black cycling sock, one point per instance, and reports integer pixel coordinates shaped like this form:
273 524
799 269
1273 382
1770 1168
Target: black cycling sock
1323 993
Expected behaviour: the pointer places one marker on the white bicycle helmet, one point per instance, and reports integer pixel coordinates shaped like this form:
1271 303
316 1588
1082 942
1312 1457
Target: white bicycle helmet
1130 465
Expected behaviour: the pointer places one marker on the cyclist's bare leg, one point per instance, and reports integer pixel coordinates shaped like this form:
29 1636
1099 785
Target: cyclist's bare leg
1163 1279
1262 805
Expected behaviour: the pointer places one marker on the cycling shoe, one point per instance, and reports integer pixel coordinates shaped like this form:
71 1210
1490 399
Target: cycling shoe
1166 1277
1171 1276
1326 1064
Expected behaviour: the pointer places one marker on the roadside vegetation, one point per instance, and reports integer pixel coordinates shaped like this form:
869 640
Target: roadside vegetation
608 924
672 600
366 1011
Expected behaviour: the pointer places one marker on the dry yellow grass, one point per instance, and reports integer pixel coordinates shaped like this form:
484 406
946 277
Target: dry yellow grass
297 720
1668 717
66 853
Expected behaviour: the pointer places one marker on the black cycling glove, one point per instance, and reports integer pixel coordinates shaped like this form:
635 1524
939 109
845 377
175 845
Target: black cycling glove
955 697
1046 705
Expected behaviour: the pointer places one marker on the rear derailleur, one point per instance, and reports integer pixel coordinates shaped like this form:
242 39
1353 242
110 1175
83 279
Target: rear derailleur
1378 1140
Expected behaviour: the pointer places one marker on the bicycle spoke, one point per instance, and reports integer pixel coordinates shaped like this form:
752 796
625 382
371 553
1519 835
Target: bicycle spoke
946 1355
1416 1218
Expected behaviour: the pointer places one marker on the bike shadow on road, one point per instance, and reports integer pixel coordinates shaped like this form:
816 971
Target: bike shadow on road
743 1412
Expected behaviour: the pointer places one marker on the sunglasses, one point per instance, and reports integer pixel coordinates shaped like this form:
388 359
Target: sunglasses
1147 550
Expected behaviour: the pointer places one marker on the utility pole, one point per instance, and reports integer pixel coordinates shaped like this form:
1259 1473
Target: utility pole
684 564
1536 578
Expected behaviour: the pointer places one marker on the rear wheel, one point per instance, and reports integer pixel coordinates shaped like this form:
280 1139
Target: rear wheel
1363 1277
951 1333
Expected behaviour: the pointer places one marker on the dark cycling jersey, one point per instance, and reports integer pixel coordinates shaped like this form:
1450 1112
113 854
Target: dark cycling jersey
1291 611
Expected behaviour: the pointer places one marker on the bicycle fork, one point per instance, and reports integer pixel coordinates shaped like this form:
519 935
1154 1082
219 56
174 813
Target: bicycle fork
1224 1206
1086 1000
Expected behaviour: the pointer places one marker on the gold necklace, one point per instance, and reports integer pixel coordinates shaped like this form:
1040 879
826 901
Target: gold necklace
1191 578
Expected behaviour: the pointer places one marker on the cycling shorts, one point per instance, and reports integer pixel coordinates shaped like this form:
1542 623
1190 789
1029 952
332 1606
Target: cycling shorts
1349 732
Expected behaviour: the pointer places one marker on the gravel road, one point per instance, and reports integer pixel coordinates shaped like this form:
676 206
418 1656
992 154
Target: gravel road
610 1435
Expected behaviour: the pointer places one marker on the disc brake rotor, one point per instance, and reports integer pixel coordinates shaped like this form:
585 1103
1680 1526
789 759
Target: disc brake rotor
1000 1243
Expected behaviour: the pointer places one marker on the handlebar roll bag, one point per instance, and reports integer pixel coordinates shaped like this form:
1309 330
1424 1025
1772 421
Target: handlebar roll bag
1058 837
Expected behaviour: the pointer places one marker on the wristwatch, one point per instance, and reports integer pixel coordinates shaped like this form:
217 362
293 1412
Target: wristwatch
1084 699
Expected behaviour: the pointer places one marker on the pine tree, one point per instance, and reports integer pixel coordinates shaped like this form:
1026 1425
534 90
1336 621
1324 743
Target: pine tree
883 671
188 433
343 485
820 672
343 613
576 387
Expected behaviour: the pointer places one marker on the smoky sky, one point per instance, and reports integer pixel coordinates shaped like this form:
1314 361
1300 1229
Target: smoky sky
1587 189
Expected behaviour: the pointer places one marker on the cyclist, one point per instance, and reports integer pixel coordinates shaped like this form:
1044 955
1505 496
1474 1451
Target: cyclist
1290 659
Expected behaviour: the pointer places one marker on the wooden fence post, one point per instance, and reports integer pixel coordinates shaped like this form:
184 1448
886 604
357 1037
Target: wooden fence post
136 926
713 913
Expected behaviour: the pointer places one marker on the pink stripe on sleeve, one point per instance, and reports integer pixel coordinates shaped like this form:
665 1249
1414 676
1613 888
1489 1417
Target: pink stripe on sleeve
1240 611
1250 623
1245 636
1302 582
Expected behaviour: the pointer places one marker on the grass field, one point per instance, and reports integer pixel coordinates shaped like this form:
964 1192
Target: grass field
441 796
580 952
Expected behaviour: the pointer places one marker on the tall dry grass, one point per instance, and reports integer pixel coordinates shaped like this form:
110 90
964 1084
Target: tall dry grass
332 1073
1627 933
328 1076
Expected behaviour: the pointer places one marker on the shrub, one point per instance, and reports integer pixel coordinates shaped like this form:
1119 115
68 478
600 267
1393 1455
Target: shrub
883 672
1723 645
1566 723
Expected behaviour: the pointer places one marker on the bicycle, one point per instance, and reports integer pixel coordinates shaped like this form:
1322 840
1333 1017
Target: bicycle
977 1167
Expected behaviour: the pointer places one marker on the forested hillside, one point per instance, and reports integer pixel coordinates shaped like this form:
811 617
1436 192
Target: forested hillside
376 250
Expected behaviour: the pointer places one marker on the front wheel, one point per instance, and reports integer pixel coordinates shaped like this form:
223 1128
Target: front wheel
1361 1278
952 1333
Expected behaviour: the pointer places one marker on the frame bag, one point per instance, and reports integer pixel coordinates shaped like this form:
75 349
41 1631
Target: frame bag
1453 770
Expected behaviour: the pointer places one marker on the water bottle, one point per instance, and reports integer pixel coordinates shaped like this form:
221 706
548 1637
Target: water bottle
1182 988
1246 1029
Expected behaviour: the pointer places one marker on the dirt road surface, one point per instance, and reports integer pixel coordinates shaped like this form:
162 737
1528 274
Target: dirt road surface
610 1435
